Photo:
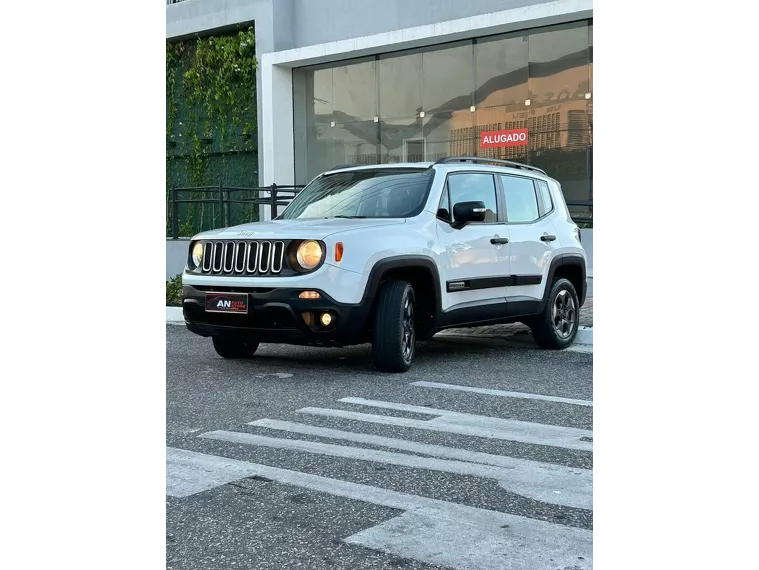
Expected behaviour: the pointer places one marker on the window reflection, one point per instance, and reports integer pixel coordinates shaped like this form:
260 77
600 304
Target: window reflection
559 112
320 108
400 85
401 140
447 77
501 71
508 118
355 92
558 64
422 105
448 134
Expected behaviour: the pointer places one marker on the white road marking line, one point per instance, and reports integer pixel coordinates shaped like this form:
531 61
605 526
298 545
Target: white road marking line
551 489
503 393
281 375
187 475
478 544
499 431
556 484
433 531
468 424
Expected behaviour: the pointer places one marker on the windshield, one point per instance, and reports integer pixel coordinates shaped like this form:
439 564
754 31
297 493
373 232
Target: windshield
388 193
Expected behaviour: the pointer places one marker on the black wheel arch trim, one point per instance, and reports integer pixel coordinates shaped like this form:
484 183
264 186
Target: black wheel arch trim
563 260
381 268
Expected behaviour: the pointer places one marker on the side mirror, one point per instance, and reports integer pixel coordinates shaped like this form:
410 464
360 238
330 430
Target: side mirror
466 212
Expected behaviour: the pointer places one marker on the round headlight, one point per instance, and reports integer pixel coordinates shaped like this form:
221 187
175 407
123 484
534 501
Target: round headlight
197 254
309 254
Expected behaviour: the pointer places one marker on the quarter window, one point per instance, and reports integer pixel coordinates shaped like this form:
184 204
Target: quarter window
471 187
521 200
545 193
444 208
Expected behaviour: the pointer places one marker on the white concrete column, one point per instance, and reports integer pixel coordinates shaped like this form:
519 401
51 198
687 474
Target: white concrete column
276 124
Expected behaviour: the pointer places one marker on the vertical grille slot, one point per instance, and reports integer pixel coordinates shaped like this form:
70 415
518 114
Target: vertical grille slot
207 257
277 256
218 257
229 257
241 252
252 264
264 257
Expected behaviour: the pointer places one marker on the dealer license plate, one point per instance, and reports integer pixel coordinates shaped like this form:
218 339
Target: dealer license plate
227 303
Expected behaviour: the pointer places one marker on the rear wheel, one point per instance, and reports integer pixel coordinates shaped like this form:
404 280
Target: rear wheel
394 331
556 327
231 347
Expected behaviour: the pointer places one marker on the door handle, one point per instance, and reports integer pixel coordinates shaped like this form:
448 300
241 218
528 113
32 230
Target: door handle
547 237
499 241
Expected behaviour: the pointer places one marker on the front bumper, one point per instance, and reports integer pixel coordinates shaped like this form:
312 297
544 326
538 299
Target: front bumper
275 315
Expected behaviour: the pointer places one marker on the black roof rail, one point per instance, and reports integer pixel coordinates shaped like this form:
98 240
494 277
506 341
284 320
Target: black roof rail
484 159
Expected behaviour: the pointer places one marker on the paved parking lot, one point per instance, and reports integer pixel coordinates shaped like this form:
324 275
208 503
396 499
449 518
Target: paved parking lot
479 458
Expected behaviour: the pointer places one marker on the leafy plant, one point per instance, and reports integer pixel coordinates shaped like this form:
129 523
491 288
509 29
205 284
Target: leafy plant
210 112
174 292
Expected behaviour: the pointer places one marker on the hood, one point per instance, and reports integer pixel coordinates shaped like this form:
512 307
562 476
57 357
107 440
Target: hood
297 229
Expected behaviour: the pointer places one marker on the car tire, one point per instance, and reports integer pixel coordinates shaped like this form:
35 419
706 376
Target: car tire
394 331
556 327
231 347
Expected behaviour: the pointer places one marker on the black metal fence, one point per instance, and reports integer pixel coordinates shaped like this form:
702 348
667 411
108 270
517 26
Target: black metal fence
224 197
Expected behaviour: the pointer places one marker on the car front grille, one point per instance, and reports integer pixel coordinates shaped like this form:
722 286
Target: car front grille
243 257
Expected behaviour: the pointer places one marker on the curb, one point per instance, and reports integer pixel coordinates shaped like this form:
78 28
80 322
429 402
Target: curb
174 315
584 338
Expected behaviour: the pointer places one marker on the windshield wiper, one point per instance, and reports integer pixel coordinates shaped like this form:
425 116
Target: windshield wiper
349 217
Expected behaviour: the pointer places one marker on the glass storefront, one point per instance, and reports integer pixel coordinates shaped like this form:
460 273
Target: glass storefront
457 99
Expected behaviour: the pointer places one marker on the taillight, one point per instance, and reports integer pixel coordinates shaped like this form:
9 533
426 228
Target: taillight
578 235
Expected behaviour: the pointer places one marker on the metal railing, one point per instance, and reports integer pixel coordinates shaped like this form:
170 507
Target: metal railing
582 212
277 196
170 2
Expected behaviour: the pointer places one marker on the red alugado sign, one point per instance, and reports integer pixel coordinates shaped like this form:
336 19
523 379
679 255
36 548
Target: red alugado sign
513 137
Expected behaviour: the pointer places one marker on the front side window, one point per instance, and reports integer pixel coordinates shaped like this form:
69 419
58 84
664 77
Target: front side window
380 193
473 187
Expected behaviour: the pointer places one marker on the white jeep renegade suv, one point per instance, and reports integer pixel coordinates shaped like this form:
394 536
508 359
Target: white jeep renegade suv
389 254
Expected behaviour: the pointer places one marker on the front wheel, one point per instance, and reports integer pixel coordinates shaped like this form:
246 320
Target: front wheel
231 347
394 331
556 327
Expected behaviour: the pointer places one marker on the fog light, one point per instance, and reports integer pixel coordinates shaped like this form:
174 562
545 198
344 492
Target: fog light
308 295
326 318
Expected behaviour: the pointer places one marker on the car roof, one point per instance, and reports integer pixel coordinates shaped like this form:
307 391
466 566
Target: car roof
415 165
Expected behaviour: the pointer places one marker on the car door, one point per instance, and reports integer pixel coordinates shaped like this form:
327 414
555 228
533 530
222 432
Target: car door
476 257
532 236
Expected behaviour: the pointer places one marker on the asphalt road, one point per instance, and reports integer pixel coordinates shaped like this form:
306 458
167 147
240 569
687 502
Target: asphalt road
401 475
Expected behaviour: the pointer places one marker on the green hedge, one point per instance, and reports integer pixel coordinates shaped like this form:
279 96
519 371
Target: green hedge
174 292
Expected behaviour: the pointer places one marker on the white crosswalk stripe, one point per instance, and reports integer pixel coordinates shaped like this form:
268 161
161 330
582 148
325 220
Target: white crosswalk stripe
466 424
503 393
430 530
551 484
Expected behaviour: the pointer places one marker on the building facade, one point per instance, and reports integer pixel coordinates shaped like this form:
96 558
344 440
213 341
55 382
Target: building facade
377 81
